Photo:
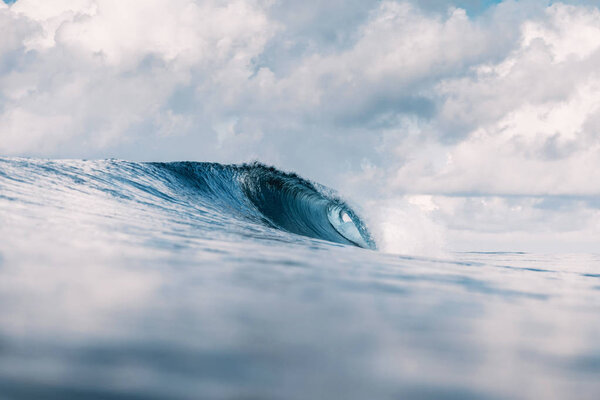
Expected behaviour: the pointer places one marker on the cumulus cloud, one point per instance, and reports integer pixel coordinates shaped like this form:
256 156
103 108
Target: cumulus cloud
529 121
461 101
88 75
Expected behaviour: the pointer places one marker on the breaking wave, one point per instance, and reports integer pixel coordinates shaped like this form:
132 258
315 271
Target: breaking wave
245 194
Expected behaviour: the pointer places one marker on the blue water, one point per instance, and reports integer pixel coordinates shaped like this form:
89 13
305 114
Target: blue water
123 280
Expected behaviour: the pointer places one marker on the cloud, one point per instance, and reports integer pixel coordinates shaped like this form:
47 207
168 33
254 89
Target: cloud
527 124
88 76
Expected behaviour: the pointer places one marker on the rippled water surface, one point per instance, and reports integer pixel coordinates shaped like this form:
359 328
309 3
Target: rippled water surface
148 281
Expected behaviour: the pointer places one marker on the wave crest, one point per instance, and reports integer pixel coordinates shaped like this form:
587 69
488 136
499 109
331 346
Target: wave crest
277 199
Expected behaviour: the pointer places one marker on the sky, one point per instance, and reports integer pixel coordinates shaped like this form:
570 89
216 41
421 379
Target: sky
457 125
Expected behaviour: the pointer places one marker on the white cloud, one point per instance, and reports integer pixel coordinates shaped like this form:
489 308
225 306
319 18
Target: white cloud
569 31
108 69
528 123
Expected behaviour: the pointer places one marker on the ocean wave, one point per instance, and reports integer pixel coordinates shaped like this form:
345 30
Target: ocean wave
277 199
247 193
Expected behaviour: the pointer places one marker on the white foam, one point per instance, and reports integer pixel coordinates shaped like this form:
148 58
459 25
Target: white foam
406 225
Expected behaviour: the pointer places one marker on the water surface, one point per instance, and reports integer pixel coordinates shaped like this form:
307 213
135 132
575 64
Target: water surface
186 281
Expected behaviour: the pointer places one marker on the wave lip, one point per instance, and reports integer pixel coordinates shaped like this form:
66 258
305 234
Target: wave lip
296 205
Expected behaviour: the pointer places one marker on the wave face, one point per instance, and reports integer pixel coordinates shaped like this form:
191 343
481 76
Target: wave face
248 193
273 198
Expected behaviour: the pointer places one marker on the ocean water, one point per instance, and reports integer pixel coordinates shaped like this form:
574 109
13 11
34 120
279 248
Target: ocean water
123 280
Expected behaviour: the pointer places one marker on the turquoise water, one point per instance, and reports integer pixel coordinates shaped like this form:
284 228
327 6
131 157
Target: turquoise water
123 280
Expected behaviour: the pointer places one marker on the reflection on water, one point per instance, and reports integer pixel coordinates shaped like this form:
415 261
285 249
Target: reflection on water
127 294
